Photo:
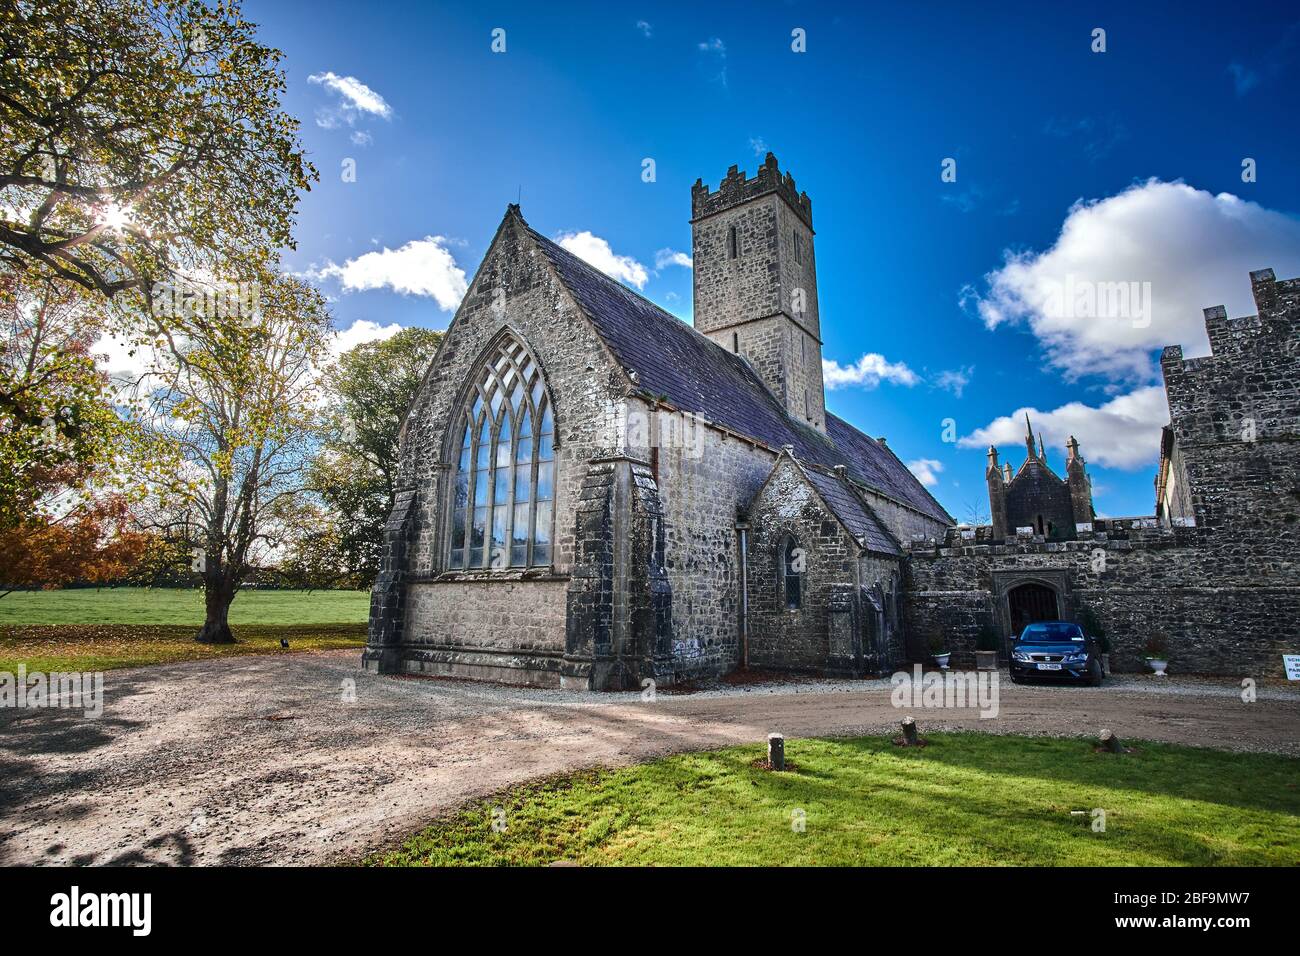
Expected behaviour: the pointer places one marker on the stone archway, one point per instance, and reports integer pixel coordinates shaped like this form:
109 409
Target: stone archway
1031 602
1048 599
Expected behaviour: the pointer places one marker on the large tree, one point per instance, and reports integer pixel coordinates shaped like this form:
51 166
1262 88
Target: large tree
141 139
371 388
239 400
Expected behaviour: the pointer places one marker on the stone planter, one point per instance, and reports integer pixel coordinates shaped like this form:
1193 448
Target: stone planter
1158 665
942 660
986 660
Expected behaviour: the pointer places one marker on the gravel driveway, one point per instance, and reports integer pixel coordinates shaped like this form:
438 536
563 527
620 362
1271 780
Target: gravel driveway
253 760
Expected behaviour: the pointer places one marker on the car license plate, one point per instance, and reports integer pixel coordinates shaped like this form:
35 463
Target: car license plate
1049 667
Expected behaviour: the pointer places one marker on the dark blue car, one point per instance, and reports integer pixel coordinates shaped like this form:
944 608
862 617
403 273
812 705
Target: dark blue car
1055 650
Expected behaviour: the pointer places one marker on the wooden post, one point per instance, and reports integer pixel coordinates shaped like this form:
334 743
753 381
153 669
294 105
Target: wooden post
909 732
776 751
1111 743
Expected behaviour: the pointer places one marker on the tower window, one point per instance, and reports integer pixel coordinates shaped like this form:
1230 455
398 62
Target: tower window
735 342
798 247
731 243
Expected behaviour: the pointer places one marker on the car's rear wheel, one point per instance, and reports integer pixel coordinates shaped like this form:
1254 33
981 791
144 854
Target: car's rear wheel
1094 673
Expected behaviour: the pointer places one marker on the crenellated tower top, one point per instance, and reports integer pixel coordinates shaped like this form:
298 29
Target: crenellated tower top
737 188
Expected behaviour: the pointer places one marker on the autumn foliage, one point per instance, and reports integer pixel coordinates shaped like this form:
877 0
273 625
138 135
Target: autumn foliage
93 545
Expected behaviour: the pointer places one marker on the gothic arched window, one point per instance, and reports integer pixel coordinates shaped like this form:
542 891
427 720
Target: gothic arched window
792 562
503 509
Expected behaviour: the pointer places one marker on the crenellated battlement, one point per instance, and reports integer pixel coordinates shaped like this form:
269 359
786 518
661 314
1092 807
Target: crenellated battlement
1105 533
736 187
1274 327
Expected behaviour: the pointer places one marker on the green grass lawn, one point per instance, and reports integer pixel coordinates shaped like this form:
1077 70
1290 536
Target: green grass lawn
966 799
181 606
90 630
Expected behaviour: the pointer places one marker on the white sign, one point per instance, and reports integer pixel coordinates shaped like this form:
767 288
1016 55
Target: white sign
1292 664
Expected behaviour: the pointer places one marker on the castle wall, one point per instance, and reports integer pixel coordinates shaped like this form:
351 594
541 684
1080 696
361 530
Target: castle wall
1226 607
1220 579
1236 416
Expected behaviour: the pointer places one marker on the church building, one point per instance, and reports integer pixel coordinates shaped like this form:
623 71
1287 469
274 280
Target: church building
594 494
1035 497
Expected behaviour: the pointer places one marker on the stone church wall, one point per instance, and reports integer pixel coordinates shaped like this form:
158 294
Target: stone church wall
1048 498
513 289
904 523
701 489
798 639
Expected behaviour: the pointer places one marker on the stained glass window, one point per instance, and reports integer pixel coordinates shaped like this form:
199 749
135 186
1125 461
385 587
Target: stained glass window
503 495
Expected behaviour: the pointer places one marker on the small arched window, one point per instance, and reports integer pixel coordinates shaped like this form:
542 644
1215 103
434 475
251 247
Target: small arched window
792 566
504 490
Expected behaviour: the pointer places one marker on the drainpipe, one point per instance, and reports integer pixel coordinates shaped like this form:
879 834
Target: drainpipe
744 593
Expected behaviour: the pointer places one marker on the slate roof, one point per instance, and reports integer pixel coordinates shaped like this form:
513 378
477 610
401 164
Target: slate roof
669 359
856 515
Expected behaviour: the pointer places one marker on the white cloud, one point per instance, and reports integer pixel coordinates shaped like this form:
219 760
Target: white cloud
354 97
361 138
1122 433
759 146
954 380
421 267
1172 249
869 371
926 471
596 251
716 51
360 332
671 257
645 28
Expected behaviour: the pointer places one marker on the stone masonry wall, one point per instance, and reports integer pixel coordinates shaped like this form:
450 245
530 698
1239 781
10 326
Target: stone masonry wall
763 301
511 631
795 639
702 484
1224 587
1218 615
515 290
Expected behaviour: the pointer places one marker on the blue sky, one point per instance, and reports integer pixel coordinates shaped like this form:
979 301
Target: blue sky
1150 135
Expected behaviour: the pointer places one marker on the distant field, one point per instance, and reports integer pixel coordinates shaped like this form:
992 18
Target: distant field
102 647
89 630
181 606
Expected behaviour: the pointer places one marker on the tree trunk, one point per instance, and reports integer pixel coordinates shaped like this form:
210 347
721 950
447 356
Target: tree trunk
909 732
776 751
217 595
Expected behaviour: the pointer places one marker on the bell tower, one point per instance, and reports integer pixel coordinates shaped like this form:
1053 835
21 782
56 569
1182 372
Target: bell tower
755 282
